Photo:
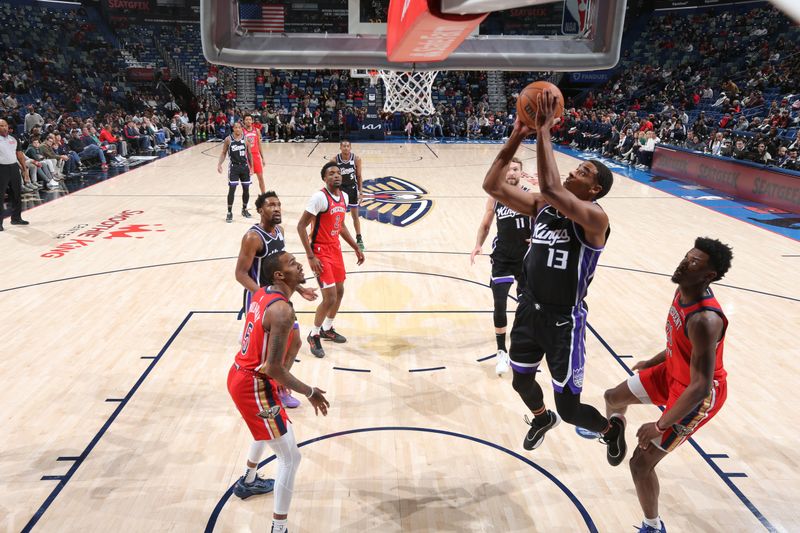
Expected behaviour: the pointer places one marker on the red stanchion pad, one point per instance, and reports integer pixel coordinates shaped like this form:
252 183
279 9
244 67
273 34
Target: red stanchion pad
418 32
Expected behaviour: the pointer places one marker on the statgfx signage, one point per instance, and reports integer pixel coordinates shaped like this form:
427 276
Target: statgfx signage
395 201
111 228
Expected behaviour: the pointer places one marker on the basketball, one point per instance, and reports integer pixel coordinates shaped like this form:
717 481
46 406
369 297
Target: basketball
526 102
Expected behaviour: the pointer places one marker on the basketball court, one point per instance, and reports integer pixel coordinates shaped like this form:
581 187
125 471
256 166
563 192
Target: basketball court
122 317
117 415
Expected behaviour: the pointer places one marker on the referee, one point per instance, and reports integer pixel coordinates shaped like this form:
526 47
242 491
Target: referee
11 160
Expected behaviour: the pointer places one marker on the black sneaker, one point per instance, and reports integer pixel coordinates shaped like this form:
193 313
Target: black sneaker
259 485
316 345
331 335
615 440
19 222
246 213
535 436
229 217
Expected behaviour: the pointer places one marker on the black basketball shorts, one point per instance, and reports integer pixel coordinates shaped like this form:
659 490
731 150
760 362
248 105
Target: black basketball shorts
239 174
558 334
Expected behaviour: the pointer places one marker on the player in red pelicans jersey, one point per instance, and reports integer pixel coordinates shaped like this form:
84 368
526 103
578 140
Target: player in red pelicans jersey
254 380
253 135
326 209
687 377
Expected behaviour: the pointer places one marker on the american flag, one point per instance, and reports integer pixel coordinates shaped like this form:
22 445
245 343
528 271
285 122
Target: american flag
261 18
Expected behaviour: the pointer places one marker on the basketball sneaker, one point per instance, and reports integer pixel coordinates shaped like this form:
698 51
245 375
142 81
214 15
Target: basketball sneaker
289 401
229 217
316 345
535 436
331 335
650 529
259 485
503 363
246 213
614 439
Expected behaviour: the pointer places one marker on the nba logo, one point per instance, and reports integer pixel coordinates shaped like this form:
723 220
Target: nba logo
574 19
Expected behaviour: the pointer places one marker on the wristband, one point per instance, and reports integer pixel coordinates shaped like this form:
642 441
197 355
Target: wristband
661 431
309 395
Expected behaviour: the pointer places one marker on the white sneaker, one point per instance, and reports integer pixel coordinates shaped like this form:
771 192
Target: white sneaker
503 362
53 185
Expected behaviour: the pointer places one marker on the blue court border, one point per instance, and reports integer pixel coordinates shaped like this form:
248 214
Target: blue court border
212 520
727 477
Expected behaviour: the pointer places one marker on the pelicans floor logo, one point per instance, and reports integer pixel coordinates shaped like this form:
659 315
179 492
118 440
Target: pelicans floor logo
395 201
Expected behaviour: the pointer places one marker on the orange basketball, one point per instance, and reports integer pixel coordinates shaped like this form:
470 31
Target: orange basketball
526 102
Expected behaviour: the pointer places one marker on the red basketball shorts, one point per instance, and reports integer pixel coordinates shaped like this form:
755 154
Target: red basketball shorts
655 385
332 265
257 400
258 167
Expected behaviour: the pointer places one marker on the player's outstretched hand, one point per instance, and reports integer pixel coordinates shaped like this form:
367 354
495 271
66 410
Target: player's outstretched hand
360 256
316 266
545 109
308 293
521 128
475 251
319 402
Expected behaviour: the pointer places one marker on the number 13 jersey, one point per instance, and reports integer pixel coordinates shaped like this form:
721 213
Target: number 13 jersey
559 264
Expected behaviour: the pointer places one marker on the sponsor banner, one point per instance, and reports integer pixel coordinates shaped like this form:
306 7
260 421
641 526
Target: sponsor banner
696 4
146 74
599 76
766 185
138 6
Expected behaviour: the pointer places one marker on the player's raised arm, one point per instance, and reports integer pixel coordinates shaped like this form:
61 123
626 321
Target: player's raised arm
495 183
586 213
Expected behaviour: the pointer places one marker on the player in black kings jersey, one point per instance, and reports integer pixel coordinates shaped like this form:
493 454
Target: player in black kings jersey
261 241
237 147
350 167
508 249
569 231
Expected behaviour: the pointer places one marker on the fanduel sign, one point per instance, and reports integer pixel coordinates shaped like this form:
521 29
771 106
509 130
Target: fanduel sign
589 77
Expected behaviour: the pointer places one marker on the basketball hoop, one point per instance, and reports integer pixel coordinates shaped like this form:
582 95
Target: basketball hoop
408 92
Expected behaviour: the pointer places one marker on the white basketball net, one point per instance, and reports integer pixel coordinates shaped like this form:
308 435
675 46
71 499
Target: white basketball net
408 92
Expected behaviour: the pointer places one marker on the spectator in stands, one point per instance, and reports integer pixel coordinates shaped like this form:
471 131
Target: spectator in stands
646 151
716 144
37 169
693 142
32 119
136 140
48 150
10 101
792 162
762 155
782 156
86 148
106 137
740 150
